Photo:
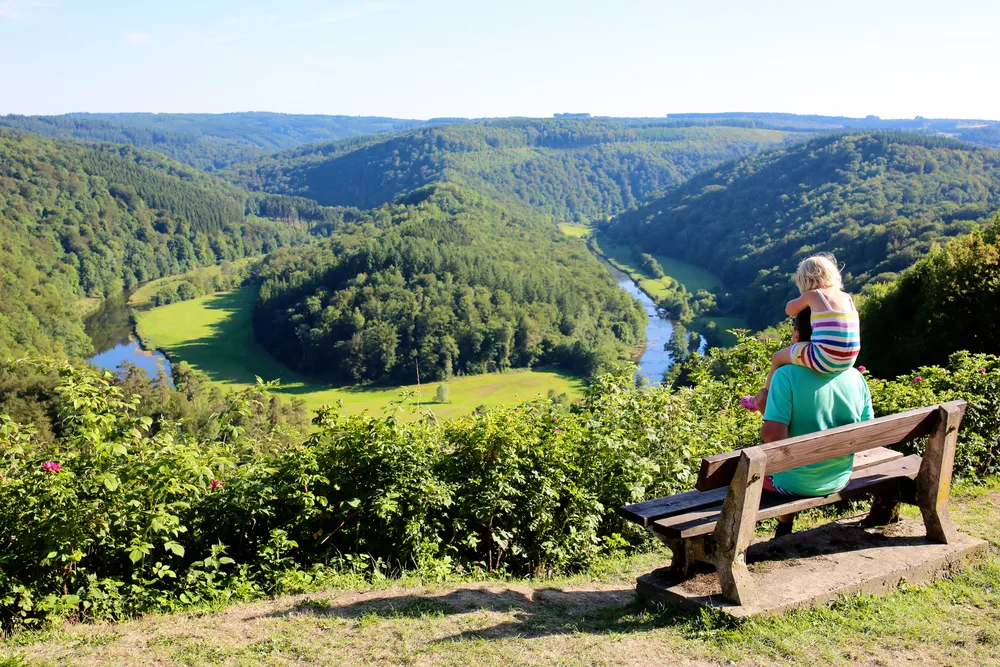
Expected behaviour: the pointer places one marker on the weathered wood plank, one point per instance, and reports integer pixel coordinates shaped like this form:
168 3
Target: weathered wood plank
718 470
735 527
934 481
647 512
863 482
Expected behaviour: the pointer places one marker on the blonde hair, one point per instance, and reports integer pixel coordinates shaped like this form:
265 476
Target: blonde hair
817 272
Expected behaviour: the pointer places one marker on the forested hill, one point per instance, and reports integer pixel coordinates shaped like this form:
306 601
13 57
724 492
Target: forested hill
443 281
569 169
80 221
879 201
206 141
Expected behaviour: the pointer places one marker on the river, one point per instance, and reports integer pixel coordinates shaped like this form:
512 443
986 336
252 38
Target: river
655 361
113 336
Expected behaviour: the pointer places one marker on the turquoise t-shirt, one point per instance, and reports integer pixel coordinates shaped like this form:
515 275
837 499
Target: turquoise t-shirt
808 402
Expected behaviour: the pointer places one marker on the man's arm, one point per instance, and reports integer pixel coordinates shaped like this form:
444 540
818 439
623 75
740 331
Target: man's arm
778 413
772 431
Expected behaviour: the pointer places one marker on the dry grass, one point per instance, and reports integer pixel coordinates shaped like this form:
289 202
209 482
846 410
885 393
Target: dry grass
583 620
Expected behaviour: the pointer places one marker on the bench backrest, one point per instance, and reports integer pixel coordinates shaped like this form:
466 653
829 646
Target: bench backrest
717 471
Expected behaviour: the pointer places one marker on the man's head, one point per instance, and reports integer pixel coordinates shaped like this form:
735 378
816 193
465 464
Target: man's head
802 326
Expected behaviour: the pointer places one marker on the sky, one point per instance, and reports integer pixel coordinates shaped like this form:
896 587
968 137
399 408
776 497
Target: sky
469 58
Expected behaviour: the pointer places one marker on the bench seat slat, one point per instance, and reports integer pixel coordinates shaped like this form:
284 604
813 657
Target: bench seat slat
702 521
782 455
647 512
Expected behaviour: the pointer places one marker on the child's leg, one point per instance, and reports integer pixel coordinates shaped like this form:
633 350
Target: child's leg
782 357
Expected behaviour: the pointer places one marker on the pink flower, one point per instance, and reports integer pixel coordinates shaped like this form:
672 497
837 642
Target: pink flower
918 379
862 369
553 420
558 430
51 466
216 483
982 370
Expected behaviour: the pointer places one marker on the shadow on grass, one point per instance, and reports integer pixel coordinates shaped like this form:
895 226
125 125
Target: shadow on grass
543 612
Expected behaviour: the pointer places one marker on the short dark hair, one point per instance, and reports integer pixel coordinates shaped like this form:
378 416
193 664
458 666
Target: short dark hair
803 324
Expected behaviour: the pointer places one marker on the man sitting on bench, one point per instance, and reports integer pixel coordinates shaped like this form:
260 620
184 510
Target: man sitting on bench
803 401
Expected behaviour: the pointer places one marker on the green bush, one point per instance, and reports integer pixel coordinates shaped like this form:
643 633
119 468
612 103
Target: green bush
117 513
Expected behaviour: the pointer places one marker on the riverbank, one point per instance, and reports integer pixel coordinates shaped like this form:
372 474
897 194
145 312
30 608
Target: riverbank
693 278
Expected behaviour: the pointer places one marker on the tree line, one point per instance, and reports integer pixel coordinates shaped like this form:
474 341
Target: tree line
444 282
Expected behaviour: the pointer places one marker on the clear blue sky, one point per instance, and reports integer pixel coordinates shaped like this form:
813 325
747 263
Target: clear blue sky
424 58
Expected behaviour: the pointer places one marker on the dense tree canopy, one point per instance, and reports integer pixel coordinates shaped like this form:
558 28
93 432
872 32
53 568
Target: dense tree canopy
570 169
946 302
878 201
85 221
443 282
206 141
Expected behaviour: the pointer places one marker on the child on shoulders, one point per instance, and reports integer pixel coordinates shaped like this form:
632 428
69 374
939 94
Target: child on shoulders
836 329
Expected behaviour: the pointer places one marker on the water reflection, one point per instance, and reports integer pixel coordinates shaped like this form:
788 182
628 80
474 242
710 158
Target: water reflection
110 331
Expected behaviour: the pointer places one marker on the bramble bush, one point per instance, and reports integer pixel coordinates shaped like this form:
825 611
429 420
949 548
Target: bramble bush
121 514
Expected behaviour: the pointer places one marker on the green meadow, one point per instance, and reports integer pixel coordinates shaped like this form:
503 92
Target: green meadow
575 229
141 297
214 335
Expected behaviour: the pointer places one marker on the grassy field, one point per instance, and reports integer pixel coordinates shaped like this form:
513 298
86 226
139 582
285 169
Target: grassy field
587 619
142 296
574 229
689 275
214 335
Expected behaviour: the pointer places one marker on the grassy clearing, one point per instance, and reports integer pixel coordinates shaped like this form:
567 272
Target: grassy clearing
689 275
588 619
142 296
213 334
575 229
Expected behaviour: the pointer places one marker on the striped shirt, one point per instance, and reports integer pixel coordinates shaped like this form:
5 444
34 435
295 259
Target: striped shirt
835 341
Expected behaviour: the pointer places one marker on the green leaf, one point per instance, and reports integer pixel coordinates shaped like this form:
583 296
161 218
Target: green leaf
175 547
111 482
135 555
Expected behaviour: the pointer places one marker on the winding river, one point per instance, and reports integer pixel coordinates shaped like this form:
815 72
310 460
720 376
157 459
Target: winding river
111 330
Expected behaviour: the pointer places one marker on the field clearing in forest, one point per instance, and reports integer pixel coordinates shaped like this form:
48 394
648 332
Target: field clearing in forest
213 334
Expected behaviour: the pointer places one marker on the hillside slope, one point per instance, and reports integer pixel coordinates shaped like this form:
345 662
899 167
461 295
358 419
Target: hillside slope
568 169
878 201
81 221
206 141
443 282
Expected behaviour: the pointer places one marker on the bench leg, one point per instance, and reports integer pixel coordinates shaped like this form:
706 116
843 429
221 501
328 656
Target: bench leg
934 478
735 527
885 509
685 554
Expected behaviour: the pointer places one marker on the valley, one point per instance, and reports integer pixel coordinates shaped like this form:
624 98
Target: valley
469 320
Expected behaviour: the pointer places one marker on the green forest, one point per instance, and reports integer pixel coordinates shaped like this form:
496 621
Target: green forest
206 141
87 221
878 201
443 282
568 169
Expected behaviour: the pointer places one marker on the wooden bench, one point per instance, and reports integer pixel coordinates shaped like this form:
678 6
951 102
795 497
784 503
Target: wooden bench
715 523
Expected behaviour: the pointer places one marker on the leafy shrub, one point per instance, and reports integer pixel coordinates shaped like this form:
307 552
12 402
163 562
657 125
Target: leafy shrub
117 514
